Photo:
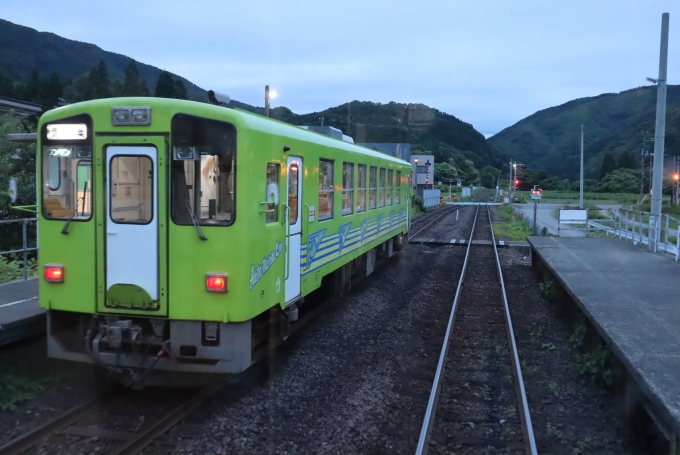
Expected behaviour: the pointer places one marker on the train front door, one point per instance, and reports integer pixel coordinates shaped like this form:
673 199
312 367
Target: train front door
294 225
132 259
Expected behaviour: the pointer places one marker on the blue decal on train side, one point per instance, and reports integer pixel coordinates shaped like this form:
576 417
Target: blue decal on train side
258 271
342 235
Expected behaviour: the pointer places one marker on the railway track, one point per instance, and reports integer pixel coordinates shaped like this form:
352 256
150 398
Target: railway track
427 220
477 398
93 421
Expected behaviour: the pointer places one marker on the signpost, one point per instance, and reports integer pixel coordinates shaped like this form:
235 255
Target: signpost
536 195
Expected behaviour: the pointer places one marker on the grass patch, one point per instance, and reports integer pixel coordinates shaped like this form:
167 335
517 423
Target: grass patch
513 227
13 269
14 390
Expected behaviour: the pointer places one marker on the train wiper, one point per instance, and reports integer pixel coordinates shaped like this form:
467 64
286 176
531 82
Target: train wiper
195 221
75 210
65 228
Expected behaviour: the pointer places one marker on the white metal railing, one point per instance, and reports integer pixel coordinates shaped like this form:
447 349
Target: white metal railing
633 225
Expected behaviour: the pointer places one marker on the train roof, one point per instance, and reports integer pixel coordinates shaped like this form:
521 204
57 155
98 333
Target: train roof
239 117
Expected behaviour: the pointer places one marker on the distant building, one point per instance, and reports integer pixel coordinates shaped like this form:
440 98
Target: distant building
399 150
19 107
423 170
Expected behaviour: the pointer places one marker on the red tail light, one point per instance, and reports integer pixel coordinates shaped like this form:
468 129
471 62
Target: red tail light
216 282
54 273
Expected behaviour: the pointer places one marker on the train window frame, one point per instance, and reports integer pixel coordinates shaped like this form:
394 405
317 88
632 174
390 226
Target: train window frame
397 193
349 190
382 176
110 182
390 186
373 188
202 126
82 144
272 217
362 186
330 189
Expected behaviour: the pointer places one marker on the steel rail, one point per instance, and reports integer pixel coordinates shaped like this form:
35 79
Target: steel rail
424 439
138 444
527 428
35 436
444 213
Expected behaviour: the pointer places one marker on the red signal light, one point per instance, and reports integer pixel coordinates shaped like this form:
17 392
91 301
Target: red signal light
216 282
516 182
54 273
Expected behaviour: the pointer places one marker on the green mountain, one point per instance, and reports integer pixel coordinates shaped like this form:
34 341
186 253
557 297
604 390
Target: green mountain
22 49
550 139
427 129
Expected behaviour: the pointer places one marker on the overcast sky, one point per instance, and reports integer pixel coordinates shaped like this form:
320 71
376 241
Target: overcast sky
489 63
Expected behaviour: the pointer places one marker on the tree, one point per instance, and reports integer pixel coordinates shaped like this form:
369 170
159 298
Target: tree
467 172
620 181
98 82
488 175
444 172
7 86
627 160
133 85
165 86
180 90
608 165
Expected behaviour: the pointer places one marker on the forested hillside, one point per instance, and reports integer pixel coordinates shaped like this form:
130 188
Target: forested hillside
23 49
550 138
427 129
50 70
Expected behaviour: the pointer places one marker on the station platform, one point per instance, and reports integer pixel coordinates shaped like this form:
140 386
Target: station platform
631 297
20 315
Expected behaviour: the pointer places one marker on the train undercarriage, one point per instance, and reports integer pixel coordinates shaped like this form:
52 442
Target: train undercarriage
142 351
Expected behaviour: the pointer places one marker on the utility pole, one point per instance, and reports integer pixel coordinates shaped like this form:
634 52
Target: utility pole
511 182
580 198
659 133
266 101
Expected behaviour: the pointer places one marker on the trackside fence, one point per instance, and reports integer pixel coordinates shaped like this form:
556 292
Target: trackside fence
634 226
25 241
431 198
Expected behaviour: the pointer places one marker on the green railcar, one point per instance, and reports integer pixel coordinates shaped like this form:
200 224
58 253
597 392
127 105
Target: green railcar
181 237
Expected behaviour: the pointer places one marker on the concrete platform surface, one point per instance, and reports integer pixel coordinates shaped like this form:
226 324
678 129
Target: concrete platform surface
20 315
632 297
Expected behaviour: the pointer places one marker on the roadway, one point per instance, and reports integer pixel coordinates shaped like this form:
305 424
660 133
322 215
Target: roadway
545 217
20 315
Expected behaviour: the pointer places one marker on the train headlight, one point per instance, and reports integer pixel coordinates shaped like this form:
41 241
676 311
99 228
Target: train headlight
131 115
216 282
54 273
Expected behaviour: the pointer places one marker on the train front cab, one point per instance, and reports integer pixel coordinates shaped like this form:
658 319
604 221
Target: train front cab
114 209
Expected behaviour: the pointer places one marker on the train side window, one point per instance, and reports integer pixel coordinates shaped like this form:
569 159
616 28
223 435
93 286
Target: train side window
293 182
373 188
326 169
272 193
390 185
203 175
361 190
347 188
397 196
381 192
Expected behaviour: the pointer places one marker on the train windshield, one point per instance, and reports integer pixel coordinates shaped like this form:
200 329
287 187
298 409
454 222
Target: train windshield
203 171
66 157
